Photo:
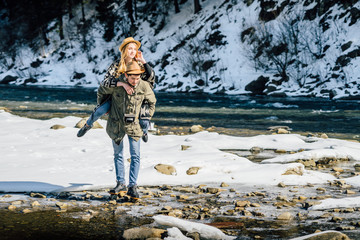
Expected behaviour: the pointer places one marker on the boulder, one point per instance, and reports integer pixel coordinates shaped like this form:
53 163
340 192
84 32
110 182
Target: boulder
5 109
285 216
143 233
256 150
11 207
276 128
192 171
8 79
27 210
35 204
184 147
165 169
326 235
324 136
242 204
224 184
282 131
296 170
257 86
82 122
196 128
213 190
57 126
37 195
357 167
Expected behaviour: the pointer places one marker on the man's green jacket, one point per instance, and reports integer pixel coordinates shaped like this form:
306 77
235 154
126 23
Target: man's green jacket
123 104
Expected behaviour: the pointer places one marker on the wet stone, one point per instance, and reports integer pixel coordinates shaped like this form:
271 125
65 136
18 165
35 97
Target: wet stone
308 204
35 204
345 228
224 184
12 207
242 204
37 195
336 219
321 189
349 192
184 147
212 190
193 171
285 216
27 210
282 198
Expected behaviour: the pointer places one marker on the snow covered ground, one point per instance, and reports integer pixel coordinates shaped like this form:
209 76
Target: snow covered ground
37 158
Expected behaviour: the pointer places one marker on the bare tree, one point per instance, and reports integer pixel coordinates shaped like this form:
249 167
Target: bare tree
129 8
82 11
69 9
197 6
61 30
177 8
281 46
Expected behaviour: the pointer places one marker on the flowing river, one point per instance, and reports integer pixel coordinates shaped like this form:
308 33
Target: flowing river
239 114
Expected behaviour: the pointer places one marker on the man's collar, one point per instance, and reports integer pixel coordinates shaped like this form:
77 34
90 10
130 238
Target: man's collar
130 84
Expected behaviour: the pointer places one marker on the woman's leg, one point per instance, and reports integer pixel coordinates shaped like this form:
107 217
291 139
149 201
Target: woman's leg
98 112
95 115
145 124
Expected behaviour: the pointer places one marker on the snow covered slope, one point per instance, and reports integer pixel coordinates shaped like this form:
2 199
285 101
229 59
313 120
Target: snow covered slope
283 48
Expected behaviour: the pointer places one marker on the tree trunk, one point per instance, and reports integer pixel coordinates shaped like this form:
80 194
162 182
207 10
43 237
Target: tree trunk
197 6
177 9
43 35
129 7
61 30
82 11
135 9
69 6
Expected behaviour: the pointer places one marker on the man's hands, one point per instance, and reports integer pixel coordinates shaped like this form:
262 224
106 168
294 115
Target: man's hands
126 86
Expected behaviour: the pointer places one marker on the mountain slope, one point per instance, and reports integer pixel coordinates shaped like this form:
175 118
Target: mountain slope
282 48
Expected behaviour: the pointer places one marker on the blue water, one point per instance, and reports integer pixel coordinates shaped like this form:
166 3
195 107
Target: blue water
186 109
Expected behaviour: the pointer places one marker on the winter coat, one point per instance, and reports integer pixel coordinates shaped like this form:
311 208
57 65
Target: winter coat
121 104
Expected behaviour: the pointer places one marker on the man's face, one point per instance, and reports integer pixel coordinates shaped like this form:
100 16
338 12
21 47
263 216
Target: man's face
133 80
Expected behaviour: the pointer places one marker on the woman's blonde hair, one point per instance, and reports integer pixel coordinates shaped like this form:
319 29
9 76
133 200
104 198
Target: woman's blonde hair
122 66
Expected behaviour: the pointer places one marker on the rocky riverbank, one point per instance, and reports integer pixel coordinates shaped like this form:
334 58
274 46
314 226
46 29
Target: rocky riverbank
245 212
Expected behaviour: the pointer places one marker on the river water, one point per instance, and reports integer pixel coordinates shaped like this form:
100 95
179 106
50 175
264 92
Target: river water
336 118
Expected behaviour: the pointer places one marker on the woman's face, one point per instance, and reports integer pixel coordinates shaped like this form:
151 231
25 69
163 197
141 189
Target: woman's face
131 50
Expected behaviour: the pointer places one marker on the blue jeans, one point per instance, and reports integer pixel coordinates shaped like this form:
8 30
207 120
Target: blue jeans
104 108
98 112
119 161
144 124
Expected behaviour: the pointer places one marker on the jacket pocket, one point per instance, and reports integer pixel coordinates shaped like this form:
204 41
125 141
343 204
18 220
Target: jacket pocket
133 129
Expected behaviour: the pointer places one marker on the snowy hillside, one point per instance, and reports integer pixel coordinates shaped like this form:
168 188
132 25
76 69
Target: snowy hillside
282 48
